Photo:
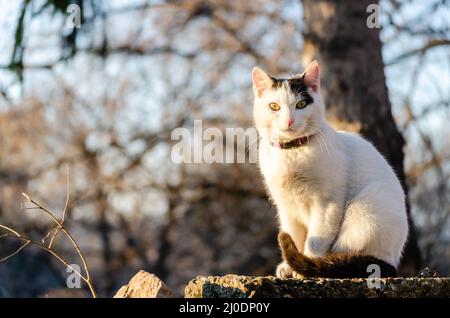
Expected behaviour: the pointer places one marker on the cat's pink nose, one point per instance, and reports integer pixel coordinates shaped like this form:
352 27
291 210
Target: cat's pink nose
290 122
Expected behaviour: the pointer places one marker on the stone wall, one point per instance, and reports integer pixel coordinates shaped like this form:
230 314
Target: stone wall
272 287
235 286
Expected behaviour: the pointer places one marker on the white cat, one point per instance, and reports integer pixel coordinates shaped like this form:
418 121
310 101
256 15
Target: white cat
337 197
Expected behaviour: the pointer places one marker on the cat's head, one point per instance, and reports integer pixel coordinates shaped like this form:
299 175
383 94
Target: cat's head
286 109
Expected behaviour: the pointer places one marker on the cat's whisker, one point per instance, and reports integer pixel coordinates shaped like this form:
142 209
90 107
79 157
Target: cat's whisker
322 136
307 127
320 143
326 144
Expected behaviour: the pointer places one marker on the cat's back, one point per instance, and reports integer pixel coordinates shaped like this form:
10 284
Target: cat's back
366 164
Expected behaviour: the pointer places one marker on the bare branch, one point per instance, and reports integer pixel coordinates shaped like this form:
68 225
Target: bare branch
420 51
15 252
61 226
65 206
10 230
55 254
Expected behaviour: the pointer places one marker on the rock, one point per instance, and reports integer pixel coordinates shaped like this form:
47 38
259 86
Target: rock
145 285
265 287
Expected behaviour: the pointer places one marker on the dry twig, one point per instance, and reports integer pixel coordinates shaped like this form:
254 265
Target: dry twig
86 277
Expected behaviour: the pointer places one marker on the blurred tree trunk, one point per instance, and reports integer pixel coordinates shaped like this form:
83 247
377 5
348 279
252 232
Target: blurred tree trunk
353 84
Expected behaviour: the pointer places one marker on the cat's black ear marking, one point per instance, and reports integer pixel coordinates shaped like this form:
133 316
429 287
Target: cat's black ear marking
277 83
297 85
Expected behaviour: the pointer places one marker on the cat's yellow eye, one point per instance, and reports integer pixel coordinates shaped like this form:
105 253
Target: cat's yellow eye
274 106
301 104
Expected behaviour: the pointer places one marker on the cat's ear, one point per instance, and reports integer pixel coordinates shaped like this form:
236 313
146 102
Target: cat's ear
311 76
261 81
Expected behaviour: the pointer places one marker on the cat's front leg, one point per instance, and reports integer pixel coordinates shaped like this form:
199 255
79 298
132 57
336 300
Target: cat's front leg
284 270
297 231
291 225
323 229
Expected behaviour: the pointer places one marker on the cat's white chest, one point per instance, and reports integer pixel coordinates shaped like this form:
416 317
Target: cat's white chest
288 170
291 182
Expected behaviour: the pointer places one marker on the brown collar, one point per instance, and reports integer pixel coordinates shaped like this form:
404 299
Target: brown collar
295 143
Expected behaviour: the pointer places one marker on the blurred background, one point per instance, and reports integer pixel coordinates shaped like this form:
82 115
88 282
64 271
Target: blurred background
104 98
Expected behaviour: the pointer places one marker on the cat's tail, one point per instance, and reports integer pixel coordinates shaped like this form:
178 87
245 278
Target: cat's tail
333 265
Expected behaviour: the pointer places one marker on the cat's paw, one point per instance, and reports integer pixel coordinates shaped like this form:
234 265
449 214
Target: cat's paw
284 270
297 275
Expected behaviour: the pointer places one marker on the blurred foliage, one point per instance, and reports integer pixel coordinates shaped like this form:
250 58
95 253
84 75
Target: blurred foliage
68 36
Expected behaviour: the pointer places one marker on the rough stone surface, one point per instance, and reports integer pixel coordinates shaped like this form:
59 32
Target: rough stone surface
145 285
232 286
